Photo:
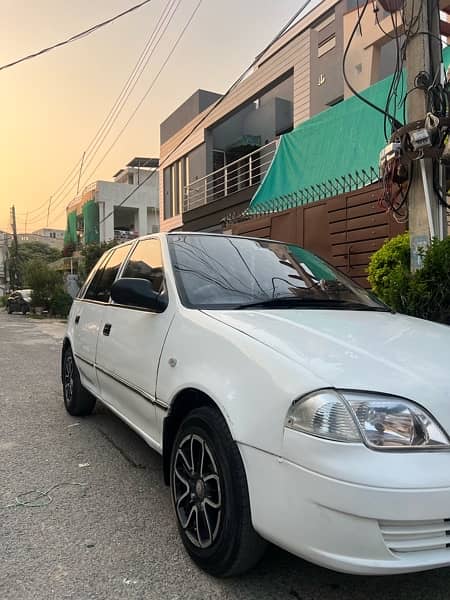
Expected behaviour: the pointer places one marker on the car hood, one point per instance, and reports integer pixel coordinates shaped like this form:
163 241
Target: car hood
374 351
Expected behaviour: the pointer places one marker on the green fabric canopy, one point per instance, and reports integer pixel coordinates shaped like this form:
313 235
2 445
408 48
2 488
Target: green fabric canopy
70 235
345 139
91 222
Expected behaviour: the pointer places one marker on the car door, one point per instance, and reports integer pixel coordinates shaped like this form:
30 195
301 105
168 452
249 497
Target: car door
88 312
130 345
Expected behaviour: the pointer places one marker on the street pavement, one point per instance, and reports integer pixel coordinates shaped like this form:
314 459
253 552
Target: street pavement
115 537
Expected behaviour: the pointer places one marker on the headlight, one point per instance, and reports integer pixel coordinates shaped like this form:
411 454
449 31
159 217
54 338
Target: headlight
379 421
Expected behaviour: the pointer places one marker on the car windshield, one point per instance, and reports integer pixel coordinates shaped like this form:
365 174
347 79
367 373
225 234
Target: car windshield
221 272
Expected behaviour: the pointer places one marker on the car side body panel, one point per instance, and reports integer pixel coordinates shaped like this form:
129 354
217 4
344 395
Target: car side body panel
231 368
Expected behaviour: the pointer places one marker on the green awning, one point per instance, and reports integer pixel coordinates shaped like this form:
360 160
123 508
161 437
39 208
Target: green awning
91 222
70 235
345 139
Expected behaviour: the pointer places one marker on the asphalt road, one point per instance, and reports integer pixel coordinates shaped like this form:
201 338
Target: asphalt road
115 537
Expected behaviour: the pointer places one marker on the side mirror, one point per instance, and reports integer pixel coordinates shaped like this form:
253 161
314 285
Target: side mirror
131 291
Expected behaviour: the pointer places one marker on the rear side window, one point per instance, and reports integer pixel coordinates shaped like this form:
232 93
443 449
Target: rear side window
145 262
93 274
100 287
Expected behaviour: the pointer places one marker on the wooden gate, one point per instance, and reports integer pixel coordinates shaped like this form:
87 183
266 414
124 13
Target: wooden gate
345 230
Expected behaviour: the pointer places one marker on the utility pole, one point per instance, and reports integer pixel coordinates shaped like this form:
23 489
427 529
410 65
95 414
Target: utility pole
79 174
15 255
48 210
423 55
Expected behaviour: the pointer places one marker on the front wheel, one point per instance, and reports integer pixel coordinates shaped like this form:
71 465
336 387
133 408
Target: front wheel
210 496
77 400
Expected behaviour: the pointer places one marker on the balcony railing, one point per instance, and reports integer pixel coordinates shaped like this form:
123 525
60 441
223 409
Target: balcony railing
233 177
123 236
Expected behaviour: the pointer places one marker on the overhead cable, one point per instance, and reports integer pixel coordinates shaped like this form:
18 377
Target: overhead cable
215 104
94 145
75 37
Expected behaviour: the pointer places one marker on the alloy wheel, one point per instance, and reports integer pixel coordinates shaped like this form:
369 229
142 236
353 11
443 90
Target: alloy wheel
197 491
68 378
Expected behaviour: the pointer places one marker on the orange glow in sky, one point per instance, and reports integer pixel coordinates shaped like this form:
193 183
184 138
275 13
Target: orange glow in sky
53 105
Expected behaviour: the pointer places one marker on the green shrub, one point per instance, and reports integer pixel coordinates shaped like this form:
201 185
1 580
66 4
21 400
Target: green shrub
60 302
429 296
3 301
425 293
389 272
43 281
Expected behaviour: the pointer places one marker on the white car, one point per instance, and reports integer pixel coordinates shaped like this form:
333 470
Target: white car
289 405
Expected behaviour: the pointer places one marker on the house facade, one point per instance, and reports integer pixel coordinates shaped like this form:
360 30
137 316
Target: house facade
46 235
122 209
215 151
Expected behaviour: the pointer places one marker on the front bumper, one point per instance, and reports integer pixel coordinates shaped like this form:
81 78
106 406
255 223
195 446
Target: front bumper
353 527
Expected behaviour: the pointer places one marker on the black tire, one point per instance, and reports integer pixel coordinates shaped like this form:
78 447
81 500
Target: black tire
77 400
216 494
10 310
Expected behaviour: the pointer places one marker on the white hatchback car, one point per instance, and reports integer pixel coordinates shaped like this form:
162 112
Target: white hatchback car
288 403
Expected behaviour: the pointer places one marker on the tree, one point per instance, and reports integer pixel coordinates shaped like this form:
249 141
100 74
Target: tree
47 288
91 253
30 251
42 280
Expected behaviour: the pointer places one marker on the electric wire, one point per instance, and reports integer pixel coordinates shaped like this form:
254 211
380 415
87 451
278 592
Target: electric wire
344 71
38 498
141 101
117 107
75 37
216 104
122 130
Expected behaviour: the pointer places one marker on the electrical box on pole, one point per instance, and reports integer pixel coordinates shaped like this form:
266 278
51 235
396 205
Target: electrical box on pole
423 63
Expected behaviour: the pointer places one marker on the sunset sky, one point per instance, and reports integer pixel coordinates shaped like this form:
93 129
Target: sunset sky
52 106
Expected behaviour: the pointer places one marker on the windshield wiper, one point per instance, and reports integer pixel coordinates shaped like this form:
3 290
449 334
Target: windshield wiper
318 303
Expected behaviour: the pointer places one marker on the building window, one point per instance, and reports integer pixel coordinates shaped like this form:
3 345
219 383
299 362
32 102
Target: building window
176 177
130 178
326 45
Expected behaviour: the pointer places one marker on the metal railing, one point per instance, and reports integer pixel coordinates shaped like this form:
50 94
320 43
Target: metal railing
238 175
123 236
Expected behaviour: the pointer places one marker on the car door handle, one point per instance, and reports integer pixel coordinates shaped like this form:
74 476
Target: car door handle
107 329
77 319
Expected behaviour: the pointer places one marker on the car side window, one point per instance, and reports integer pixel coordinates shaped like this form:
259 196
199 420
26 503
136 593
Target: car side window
145 262
100 287
93 274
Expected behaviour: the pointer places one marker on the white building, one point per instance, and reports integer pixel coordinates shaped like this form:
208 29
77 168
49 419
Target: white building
46 235
124 208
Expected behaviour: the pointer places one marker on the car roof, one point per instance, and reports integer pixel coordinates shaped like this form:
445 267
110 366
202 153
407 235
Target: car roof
165 234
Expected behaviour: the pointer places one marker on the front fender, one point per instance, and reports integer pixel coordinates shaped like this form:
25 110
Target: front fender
252 384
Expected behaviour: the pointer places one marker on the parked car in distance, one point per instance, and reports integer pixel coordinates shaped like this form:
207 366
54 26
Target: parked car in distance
19 301
289 405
